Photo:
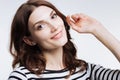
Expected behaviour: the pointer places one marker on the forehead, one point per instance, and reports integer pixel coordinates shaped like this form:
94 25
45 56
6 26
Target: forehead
40 13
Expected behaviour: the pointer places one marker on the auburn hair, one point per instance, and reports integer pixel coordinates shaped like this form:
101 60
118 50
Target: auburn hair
31 56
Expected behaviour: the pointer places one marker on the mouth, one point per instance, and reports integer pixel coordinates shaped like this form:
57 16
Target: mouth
57 36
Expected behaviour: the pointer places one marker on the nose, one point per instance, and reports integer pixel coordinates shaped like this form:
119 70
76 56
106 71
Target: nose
53 27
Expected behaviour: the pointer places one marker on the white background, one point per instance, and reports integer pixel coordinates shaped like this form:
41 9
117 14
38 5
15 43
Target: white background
89 48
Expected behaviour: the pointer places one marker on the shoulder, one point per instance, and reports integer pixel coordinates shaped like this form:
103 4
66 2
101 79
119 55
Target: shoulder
95 67
100 72
18 73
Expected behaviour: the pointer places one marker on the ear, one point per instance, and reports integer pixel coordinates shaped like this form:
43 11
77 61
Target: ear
28 41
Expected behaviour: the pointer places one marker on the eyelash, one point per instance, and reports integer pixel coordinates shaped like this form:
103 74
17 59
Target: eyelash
40 27
54 16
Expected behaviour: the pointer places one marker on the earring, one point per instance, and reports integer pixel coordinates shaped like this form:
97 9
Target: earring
33 43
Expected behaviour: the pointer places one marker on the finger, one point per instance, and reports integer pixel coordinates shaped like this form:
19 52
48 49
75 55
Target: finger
84 16
78 17
69 21
75 17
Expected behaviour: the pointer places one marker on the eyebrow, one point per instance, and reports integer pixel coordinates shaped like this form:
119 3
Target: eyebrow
43 21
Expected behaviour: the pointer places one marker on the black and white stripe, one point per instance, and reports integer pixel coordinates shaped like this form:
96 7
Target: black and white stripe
100 73
93 72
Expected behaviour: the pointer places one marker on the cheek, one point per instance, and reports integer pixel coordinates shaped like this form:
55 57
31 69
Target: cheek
41 36
60 21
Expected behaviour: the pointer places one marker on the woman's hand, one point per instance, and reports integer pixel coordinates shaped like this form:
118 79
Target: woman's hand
83 23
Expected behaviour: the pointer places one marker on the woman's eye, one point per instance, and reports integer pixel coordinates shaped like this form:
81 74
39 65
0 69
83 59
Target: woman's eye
54 16
40 27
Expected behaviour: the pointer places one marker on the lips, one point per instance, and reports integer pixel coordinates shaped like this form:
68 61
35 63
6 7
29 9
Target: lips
57 36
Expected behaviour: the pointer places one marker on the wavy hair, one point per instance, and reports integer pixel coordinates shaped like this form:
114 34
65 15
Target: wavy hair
31 56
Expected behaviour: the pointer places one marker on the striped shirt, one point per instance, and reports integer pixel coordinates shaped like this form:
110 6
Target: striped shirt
93 72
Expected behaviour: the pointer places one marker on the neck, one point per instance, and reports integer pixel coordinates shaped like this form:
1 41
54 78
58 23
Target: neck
54 59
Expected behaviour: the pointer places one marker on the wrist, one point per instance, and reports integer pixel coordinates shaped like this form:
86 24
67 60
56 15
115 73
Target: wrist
98 29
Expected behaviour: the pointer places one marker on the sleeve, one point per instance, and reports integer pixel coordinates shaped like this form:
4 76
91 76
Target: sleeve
100 73
17 75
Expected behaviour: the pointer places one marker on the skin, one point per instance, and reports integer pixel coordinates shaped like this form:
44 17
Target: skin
47 29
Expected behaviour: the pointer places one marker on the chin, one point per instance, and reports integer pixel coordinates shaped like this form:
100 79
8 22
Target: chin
62 43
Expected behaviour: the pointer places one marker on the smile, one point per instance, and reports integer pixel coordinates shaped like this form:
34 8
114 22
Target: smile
57 36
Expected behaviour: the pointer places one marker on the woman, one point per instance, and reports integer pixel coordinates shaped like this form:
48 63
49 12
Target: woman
42 48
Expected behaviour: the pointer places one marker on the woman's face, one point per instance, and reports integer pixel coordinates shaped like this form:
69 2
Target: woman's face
47 28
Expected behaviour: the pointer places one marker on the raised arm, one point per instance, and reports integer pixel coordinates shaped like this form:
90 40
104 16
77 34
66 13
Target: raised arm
85 24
